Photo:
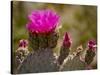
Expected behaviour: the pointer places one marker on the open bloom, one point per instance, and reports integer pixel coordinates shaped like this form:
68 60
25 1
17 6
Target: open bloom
91 44
67 40
42 21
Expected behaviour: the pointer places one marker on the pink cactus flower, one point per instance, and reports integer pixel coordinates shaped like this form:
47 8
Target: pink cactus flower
42 21
92 45
23 43
67 40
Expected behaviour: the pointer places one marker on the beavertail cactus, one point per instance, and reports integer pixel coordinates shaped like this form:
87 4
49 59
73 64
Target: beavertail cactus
43 36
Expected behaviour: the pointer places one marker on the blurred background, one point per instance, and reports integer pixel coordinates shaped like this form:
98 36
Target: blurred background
80 21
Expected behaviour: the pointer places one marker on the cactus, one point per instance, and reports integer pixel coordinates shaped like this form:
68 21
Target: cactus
42 39
42 56
73 64
90 52
65 49
40 61
21 52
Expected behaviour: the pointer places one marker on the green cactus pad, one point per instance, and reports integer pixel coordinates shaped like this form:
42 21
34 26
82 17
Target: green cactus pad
40 61
74 64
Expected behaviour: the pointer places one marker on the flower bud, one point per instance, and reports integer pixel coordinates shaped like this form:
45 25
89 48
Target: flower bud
67 40
23 43
92 45
90 52
65 48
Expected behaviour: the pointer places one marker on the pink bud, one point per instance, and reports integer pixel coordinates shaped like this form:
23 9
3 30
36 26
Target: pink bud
23 43
91 45
67 40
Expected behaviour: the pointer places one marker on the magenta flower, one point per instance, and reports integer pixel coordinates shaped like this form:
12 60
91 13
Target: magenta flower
42 21
67 40
91 45
23 43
